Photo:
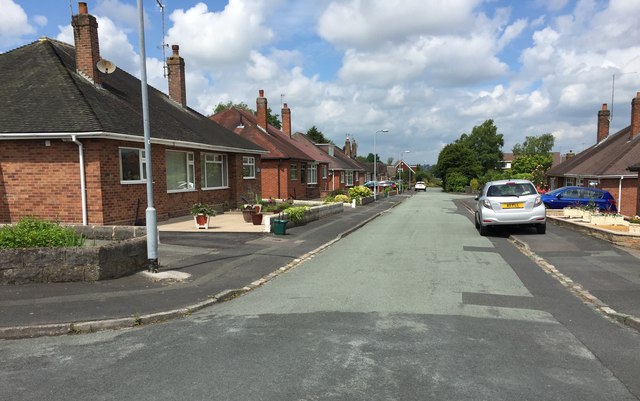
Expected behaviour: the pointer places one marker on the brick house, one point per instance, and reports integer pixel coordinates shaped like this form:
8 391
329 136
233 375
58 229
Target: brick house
611 164
72 139
287 171
344 171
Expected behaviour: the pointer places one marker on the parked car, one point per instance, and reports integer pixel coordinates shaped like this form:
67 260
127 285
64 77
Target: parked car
509 202
420 186
387 183
580 196
369 184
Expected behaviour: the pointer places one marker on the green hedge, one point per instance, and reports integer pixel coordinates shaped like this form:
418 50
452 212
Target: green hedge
31 232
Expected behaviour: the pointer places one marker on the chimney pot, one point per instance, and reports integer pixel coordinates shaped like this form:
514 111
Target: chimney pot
261 110
85 36
604 119
286 120
635 117
177 84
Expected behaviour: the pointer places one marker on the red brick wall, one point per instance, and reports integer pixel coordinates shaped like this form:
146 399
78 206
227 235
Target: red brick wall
44 181
297 189
627 199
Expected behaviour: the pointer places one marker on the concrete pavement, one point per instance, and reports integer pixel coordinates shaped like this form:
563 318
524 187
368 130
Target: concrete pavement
198 268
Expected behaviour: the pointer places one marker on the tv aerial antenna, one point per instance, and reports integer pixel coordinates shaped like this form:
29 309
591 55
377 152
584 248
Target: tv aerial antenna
164 45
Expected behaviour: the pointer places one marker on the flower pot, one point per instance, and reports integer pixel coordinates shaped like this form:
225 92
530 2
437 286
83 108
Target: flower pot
279 226
256 218
201 221
247 213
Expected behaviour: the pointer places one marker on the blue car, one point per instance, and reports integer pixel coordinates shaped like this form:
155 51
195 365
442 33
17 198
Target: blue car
579 196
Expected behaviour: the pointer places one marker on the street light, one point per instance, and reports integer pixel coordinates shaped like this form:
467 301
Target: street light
375 165
400 165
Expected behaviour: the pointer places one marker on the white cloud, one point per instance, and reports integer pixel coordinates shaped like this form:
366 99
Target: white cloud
40 20
220 39
13 22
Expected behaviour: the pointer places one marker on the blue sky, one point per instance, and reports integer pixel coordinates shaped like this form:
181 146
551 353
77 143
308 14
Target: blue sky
426 70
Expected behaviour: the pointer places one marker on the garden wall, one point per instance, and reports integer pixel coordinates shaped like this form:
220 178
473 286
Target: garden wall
124 254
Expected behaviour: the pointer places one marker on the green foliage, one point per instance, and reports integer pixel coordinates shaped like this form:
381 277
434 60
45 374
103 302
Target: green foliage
273 119
317 136
475 184
34 233
223 106
359 192
457 158
296 213
535 145
342 198
456 182
486 144
202 208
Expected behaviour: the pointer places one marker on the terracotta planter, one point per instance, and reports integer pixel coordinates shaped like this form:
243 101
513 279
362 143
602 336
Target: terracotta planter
256 218
201 221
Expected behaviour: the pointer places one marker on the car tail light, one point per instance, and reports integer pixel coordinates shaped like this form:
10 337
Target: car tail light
537 202
486 203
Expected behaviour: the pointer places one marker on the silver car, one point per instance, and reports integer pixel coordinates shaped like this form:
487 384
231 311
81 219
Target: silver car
510 202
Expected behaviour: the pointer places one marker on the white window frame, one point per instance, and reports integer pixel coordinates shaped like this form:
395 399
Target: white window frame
210 160
293 172
312 173
569 181
189 183
142 166
342 177
325 169
248 167
349 178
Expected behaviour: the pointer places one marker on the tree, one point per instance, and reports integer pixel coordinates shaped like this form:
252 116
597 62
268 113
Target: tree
370 158
486 144
536 165
534 145
389 161
223 106
318 137
457 158
272 119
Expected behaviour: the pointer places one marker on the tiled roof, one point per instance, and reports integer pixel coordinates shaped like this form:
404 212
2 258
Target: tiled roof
244 123
310 148
43 94
339 160
611 157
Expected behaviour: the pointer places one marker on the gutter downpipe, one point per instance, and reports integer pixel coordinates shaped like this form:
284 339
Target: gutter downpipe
83 188
620 193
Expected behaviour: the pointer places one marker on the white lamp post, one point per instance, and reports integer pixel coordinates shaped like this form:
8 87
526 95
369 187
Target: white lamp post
375 165
400 163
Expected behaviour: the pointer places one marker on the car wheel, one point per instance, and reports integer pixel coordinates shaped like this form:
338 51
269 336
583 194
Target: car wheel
541 228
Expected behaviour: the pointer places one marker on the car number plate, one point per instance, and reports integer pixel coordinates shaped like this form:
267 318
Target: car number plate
513 205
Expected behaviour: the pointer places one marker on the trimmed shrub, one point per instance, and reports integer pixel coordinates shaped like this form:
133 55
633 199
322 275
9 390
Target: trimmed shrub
34 233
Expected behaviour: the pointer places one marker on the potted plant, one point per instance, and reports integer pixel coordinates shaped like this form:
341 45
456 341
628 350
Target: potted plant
201 213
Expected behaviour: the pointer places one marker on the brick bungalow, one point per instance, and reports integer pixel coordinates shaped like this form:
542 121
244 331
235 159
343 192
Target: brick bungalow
286 171
344 171
611 164
72 140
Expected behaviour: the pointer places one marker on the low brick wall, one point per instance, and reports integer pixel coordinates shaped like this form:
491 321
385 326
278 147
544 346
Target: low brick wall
316 212
126 253
619 238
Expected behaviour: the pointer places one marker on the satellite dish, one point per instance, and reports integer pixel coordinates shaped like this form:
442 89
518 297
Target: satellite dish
105 66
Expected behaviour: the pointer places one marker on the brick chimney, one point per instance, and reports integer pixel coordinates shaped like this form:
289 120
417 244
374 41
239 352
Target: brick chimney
604 118
261 109
347 147
85 35
286 119
175 68
635 116
354 148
